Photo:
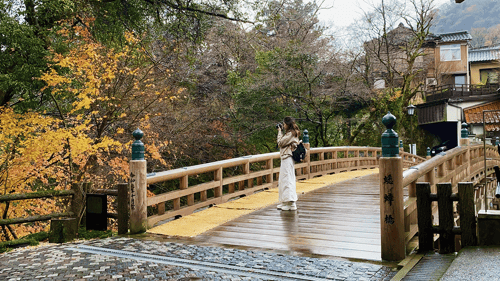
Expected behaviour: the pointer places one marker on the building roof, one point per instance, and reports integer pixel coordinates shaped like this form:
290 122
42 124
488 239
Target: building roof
474 115
484 54
451 36
455 36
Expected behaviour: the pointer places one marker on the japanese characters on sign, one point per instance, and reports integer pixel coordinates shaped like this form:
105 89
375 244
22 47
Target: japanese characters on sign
389 197
132 191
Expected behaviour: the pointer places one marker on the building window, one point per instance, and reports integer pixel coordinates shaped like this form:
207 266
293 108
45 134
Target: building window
450 52
489 76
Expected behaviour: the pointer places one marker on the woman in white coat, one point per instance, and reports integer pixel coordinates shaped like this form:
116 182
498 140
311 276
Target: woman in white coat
287 144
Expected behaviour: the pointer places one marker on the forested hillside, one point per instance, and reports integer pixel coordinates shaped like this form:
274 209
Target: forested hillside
479 17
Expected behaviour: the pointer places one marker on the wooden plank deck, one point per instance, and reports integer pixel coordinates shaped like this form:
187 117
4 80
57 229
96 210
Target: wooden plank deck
341 220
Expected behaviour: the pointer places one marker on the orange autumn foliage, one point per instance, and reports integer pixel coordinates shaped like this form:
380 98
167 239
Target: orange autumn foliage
84 136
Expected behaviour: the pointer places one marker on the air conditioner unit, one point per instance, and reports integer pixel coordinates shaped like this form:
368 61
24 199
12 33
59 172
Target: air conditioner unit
431 81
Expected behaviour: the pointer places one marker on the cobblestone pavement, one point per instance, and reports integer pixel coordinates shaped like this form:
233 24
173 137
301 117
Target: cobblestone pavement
67 262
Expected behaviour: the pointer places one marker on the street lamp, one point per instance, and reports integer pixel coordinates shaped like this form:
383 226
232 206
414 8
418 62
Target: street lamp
411 111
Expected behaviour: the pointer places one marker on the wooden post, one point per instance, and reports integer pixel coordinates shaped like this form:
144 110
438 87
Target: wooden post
412 192
321 167
334 156
440 170
270 167
247 171
218 177
424 213
122 209
62 230
445 206
185 185
467 213
430 178
392 208
391 195
138 187
305 141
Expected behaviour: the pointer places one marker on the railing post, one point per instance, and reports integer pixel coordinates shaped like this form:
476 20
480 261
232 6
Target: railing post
305 141
464 141
445 207
428 156
424 213
391 195
247 171
270 177
467 213
218 177
138 186
122 209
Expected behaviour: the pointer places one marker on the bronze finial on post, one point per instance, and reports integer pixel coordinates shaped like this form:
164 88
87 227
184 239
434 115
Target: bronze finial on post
464 134
138 186
307 145
391 195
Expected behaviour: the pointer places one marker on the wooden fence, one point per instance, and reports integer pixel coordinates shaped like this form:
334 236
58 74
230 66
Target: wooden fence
74 208
121 193
446 229
8 198
460 164
36 195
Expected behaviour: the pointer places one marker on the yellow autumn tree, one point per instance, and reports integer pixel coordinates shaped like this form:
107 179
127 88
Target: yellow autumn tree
99 95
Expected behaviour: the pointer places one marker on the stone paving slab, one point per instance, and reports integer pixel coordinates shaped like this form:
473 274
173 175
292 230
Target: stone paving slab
60 262
475 263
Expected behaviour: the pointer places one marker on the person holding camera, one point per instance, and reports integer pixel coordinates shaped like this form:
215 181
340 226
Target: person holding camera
287 143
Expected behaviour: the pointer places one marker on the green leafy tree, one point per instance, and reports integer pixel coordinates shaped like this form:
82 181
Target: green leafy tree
297 72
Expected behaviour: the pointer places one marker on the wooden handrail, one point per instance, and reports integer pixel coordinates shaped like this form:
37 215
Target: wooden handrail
460 164
36 195
423 168
325 160
35 218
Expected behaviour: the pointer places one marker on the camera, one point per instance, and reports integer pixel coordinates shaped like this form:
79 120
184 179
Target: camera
279 126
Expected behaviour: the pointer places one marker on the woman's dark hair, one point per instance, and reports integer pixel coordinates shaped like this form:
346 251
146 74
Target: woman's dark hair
292 127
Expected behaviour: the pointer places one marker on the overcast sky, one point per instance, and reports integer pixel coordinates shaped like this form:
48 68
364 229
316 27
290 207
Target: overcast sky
345 12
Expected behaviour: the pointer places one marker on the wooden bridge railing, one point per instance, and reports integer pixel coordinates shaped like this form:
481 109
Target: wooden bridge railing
460 164
466 163
255 173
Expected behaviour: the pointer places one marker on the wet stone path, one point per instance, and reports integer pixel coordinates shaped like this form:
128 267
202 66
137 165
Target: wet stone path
121 258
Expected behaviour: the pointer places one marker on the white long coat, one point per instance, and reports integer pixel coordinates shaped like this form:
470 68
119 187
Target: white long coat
286 184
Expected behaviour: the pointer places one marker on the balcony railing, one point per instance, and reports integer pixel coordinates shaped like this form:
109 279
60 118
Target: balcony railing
456 91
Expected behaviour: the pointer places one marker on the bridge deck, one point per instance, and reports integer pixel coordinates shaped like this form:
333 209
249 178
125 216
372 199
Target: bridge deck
341 220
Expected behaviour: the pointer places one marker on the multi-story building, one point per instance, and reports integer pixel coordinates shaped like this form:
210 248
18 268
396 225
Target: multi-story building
459 82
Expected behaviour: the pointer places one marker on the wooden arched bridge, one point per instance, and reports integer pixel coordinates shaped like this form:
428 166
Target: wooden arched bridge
373 217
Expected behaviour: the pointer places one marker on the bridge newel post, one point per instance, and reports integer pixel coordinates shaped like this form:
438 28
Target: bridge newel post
465 141
464 135
391 195
467 214
307 145
138 186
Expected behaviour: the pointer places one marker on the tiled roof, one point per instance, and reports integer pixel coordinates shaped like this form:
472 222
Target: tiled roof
474 115
454 36
484 54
